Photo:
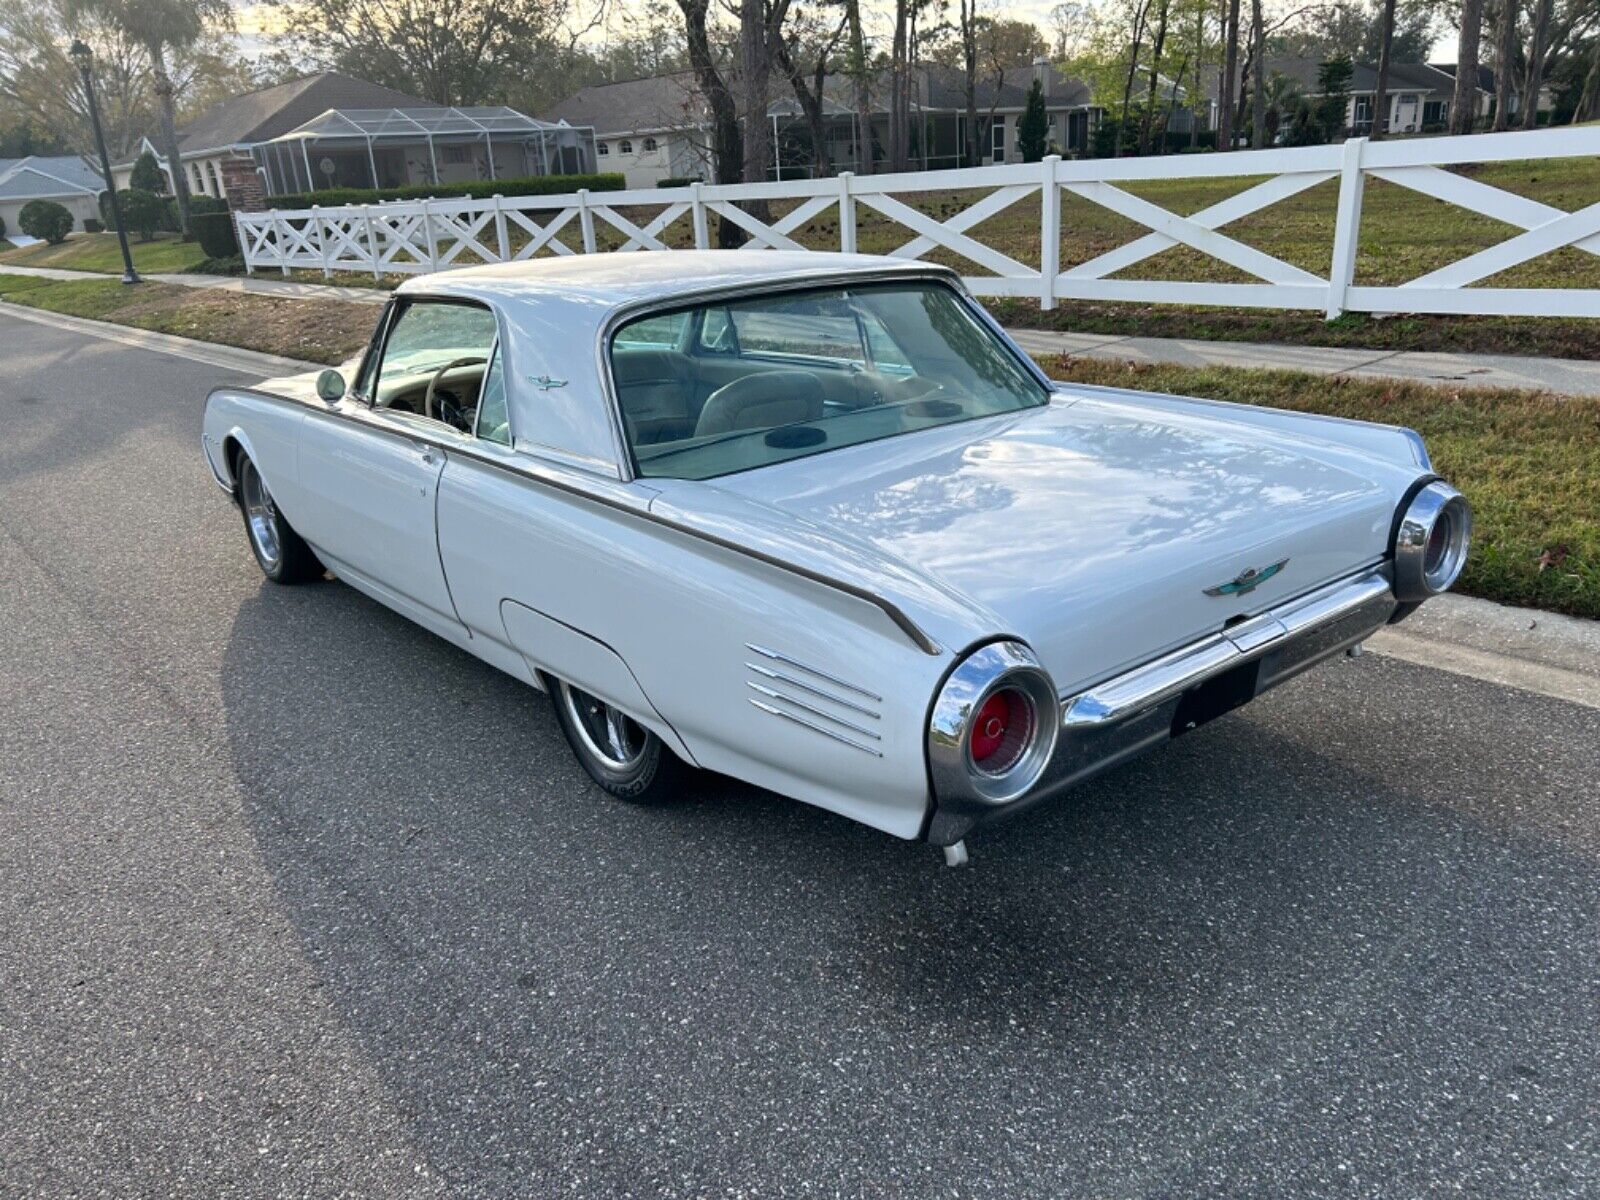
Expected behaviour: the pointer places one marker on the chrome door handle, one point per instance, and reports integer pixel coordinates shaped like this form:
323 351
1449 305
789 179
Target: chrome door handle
428 457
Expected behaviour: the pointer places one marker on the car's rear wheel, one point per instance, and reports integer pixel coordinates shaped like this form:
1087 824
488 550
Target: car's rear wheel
282 555
620 755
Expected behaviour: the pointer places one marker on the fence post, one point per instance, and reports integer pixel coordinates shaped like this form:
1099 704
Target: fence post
427 232
503 243
283 242
1049 233
586 220
244 246
322 242
847 214
702 235
372 241
1347 226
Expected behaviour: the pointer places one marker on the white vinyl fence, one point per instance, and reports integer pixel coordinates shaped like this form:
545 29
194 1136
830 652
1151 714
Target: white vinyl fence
435 235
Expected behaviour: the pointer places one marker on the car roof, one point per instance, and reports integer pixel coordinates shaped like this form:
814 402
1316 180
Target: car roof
615 279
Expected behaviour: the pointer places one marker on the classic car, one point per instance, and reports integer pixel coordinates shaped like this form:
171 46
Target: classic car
814 521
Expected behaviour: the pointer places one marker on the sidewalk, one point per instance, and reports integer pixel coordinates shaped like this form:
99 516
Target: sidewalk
1562 376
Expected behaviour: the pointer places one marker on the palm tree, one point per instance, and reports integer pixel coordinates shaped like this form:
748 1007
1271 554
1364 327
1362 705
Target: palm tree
1282 95
162 27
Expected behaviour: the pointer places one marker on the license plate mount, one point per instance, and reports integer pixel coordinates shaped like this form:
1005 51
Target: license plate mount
1215 697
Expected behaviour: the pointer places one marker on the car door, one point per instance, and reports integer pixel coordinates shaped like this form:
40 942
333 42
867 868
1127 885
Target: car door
369 468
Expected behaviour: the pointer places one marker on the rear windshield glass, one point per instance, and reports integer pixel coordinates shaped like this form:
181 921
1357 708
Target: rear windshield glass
732 385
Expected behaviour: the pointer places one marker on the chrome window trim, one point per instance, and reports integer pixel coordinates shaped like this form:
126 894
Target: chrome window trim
541 472
635 310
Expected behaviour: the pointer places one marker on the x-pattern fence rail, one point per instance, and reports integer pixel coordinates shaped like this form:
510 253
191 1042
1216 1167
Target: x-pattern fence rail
435 235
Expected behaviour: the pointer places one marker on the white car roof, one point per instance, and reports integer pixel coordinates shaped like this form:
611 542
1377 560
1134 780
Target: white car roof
553 311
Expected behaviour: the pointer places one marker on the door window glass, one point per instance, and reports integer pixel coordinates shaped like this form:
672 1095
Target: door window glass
434 361
493 421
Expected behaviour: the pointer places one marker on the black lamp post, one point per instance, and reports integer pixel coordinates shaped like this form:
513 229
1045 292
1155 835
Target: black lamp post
84 58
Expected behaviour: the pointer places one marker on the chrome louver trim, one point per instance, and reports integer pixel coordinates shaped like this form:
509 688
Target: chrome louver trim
814 699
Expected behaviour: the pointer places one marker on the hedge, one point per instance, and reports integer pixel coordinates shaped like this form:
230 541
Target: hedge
535 185
214 232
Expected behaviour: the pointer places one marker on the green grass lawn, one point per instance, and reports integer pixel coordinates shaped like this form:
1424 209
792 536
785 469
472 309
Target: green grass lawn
1528 463
99 252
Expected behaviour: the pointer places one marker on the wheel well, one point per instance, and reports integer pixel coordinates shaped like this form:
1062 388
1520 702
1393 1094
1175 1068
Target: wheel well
231 450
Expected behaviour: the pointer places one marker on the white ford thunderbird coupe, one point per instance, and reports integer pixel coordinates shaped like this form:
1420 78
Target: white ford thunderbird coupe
814 521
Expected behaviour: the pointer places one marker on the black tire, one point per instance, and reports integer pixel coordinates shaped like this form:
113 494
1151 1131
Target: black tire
641 769
280 552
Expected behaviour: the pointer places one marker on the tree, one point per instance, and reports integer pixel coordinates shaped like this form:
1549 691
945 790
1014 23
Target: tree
806 40
1033 127
1258 89
727 146
1535 76
1464 105
1230 75
146 174
1164 8
142 211
1505 59
1380 90
1333 87
969 76
163 28
45 219
860 72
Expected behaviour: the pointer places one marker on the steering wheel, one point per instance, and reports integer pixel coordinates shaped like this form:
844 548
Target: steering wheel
428 407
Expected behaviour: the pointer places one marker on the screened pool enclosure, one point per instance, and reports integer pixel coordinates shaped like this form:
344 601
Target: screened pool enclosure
403 147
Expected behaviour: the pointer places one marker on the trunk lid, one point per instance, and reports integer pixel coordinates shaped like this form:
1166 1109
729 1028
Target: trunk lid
1092 528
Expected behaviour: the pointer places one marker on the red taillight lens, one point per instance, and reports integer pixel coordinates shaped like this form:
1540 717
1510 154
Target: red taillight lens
1000 730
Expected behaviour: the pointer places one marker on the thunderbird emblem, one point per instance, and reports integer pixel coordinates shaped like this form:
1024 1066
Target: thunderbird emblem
544 383
1247 580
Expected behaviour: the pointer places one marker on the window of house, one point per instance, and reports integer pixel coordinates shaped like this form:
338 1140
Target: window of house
997 137
602 148
625 146
1363 108
216 178
456 154
649 145
196 182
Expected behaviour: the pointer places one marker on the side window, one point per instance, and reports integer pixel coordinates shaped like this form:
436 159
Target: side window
716 333
434 361
654 333
493 422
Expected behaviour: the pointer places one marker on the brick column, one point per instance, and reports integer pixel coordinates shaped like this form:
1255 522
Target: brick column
243 186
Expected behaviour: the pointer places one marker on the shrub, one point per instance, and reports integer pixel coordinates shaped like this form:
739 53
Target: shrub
144 212
45 219
1033 127
679 181
206 204
2 227
147 175
214 232
91 225
535 185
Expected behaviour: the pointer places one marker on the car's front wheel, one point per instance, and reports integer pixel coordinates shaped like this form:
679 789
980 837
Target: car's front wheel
621 755
282 555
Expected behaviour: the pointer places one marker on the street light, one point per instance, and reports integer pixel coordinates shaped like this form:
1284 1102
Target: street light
83 57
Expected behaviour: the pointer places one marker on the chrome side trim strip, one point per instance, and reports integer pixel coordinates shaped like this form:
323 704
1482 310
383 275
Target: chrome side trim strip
781 677
815 728
779 656
771 694
894 612
1142 687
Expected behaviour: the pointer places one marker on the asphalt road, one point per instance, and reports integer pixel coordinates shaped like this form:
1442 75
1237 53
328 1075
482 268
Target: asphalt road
297 900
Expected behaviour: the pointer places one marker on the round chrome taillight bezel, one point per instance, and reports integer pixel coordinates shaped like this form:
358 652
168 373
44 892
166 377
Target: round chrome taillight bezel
1430 542
990 670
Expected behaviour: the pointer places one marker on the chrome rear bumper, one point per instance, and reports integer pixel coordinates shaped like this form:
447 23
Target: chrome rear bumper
1113 721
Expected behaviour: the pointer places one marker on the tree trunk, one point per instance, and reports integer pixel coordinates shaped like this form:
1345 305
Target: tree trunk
1380 93
727 149
969 64
1588 107
1230 76
810 96
899 91
1139 19
1530 91
1505 61
1258 75
859 69
1464 106
1154 78
755 70
169 138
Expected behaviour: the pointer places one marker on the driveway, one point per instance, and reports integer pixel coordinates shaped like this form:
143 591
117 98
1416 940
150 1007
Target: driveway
298 900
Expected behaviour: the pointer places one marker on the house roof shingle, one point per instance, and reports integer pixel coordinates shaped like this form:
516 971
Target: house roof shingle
40 176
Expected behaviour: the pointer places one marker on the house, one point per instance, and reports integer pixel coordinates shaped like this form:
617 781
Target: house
66 179
658 127
1485 93
333 130
1418 96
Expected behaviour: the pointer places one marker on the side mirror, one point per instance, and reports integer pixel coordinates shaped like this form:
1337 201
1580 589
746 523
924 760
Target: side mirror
330 386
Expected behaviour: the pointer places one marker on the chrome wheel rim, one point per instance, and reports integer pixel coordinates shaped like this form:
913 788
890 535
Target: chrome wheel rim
260 516
608 733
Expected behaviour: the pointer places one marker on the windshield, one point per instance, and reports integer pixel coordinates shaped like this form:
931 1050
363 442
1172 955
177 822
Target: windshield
736 384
